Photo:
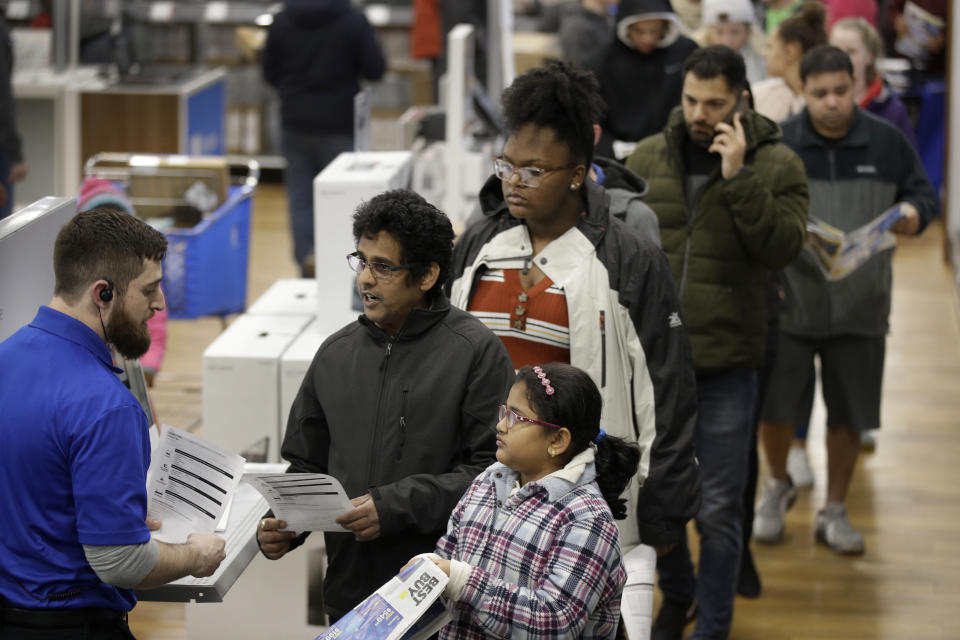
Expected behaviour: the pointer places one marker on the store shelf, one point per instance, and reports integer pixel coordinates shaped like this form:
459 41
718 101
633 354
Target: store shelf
385 15
169 12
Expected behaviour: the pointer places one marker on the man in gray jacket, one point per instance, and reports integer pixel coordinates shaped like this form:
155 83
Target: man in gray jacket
858 166
399 405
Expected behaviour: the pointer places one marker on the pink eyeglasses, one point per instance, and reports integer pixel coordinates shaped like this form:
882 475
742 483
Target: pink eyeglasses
512 418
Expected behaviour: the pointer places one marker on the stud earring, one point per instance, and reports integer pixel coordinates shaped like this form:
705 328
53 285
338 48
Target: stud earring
573 187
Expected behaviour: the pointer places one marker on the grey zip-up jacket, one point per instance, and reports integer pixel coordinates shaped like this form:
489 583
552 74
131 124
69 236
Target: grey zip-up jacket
408 420
851 182
625 332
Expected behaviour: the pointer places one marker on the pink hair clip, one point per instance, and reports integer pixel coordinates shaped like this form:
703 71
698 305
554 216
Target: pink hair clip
544 380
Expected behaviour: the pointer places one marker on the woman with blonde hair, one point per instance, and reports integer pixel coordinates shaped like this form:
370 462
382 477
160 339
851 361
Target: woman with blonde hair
859 40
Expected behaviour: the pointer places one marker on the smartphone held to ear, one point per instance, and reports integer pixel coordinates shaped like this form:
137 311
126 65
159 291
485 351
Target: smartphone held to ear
740 107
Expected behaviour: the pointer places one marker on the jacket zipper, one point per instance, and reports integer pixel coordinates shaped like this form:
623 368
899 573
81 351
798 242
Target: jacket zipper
690 208
687 206
603 349
403 421
686 261
373 441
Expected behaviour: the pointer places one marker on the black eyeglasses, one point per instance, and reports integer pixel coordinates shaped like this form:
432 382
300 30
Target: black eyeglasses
380 270
529 176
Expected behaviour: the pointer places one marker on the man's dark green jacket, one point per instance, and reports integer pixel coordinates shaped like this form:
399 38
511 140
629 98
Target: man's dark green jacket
724 240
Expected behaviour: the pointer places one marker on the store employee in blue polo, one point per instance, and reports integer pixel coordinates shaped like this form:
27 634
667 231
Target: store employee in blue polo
74 445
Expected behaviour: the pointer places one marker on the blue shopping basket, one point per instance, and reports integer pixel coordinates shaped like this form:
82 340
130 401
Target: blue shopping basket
205 271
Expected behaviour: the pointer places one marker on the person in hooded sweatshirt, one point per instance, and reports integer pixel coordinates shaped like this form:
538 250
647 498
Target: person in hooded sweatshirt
640 71
316 96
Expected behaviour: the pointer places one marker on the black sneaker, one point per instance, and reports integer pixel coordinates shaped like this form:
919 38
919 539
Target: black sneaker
748 585
672 619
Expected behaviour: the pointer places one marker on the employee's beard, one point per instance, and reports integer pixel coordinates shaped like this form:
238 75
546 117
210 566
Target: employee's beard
130 338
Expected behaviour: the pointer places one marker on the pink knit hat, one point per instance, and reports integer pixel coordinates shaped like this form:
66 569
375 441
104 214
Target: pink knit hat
95 192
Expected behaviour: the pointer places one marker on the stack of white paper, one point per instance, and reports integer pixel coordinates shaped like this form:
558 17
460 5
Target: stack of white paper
190 484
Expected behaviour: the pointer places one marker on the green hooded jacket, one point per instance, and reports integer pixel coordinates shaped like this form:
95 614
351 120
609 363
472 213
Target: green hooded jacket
723 248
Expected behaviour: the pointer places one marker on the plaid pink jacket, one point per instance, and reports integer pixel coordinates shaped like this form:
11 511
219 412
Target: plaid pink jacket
545 562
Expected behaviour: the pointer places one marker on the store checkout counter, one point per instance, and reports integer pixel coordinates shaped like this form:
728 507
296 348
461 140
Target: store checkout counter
158 111
65 118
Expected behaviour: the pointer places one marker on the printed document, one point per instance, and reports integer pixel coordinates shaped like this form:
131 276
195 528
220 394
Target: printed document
190 484
839 254
408 607
306 501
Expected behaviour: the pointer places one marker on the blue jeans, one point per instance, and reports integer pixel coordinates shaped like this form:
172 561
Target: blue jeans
306 155
724 424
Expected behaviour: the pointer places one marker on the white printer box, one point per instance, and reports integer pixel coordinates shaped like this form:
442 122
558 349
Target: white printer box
288 296
241 381
350 179
293 367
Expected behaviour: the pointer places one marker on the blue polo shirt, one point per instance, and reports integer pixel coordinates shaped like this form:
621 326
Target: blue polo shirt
74 453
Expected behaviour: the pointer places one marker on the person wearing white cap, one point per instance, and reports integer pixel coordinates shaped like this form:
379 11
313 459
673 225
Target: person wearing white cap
733 23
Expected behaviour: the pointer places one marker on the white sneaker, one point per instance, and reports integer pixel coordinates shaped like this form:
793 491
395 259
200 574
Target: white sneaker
798 468
777 496
834 529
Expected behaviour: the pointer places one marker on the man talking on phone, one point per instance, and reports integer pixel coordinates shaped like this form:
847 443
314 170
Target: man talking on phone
732 201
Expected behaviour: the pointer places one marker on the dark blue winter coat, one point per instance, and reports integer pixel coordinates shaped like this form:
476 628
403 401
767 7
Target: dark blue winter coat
316 53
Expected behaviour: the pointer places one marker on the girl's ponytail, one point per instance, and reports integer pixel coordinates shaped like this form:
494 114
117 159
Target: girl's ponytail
616 461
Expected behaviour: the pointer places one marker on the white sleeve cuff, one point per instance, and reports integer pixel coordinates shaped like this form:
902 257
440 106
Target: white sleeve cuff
459 573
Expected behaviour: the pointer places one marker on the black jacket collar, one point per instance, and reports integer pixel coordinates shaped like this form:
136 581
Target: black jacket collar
857 136
418 322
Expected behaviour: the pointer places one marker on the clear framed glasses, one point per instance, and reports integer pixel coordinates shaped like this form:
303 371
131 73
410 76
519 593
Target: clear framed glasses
503 411
529 176
380 270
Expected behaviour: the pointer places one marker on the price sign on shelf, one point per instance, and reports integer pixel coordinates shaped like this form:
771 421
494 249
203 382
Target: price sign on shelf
215 12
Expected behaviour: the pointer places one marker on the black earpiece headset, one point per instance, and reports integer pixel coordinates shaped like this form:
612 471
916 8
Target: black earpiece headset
106 294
